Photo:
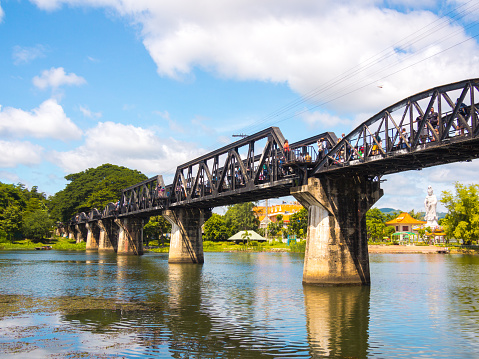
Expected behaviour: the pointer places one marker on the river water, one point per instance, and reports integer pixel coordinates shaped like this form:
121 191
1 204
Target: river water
236 305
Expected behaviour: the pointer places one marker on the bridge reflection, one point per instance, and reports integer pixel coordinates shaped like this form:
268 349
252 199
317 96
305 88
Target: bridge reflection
337 320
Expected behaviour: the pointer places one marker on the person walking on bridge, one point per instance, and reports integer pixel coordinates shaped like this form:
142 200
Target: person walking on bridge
287 151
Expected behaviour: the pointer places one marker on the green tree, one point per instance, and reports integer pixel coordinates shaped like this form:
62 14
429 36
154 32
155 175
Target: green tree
417 215
276 228
376 225
298 223
241 217
462 219
12 203
16 202
92 188
156 227
11 221
215 228
37 224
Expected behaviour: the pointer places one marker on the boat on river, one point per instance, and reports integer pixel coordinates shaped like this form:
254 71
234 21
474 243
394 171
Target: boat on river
43 248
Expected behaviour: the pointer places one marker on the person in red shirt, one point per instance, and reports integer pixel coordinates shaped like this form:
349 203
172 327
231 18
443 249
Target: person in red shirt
286 149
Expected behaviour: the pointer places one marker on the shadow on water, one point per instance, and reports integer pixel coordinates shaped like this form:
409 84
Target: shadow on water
337 320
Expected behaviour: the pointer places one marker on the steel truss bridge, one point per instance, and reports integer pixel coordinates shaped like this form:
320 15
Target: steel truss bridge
437 126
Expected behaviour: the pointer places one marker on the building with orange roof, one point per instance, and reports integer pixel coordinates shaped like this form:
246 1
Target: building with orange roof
284 209
405 223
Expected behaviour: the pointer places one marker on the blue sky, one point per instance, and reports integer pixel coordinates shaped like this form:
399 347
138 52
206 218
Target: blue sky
151 84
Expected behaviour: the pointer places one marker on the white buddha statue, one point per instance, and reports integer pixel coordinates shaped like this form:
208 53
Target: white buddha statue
430 204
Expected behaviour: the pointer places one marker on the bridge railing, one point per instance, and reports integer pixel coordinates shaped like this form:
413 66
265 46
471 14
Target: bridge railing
415 123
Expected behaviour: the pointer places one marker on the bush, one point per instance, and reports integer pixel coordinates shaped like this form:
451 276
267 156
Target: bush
299 247
3 236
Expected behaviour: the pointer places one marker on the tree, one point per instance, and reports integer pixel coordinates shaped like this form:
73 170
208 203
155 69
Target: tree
298 222
37 224
11 221
215 228
417 215
12 203
92 188
241 217
462 219
16 203
156 227
276 228
376 225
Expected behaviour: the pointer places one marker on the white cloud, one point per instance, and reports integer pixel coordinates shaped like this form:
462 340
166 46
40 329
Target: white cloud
46 121
407 190
15 153
9 176
172 124
24 55
305 44
56 77
323 120
2 14
88 113
129 146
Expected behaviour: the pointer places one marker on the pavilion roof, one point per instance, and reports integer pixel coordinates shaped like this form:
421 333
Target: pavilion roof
405 218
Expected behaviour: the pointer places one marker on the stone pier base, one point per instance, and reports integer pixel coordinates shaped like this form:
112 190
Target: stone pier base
93 236
186 244
81 232
130 236
337 246
108 238
71 233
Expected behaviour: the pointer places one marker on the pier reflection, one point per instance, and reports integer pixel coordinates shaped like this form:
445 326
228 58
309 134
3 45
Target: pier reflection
337 320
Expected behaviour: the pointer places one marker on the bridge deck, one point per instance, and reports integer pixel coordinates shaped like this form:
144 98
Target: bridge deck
409 135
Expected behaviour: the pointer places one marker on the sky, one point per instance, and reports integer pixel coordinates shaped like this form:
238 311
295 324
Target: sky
151 84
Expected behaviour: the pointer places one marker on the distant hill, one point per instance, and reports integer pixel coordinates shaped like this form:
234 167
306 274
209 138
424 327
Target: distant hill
392 210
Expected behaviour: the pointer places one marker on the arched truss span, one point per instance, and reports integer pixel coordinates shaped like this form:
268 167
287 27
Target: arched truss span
433 127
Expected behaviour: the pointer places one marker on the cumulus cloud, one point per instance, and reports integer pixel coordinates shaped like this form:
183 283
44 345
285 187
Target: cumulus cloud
56 77
344 47
46 121
24 55
2 14
129 146
16 153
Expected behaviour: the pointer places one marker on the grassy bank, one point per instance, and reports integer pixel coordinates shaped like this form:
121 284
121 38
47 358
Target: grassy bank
252 246
58 243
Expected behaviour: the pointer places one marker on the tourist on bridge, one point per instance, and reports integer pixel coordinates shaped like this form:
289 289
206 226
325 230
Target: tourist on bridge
320 148
402 143
423 132
463 112
432 117
287 150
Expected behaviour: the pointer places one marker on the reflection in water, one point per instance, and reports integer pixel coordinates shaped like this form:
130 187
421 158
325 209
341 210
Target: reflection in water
337 320
236 305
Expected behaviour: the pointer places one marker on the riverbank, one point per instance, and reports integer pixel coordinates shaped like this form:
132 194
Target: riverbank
58 243
373 248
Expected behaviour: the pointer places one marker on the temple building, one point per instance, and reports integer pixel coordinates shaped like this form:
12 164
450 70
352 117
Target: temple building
284 209
405 223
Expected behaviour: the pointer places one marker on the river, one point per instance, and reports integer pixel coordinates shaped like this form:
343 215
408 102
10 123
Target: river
237 305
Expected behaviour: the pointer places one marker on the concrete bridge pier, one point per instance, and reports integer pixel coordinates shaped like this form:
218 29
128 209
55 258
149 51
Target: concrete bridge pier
186 243
130 235
93 236
81 232
337 245
71 232
108 237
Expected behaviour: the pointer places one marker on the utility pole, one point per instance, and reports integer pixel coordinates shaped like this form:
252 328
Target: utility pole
267 217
